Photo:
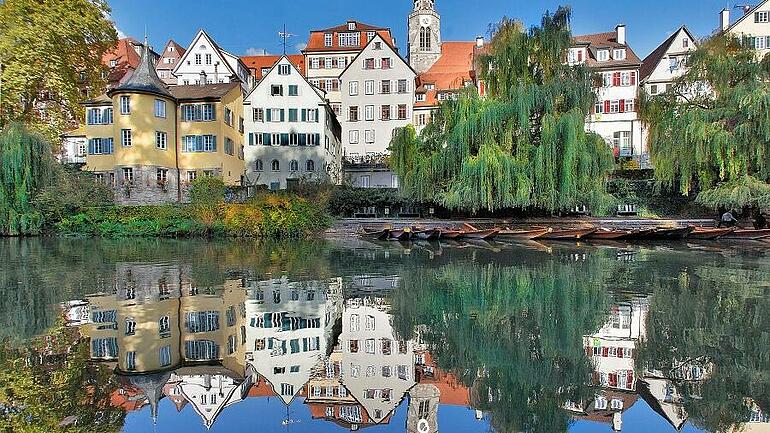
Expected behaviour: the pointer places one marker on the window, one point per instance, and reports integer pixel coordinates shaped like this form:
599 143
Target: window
275 115
275 165
276 90
386 63
162 176
614 106
353 348
353 114
385 112
293 115
293 139
629 106
369 112
607 79
369 87
275 139
328 39
603 55
353 139
419 97
352 39
284 69
161 140
353 88
370 323
653 89
125 137
310 165
385 87
616 404
365 181
313 139
164 356
258 165
622 140
258 115
199 143
369 347
164 324
198 112
130 326
401 86
402 111
328 62
228 116
311 115
229 146
113 63
619 54
625 78
762 17
760 43
685 43
421 120
131 361
293 90
600 403
369 63
125 104
425 38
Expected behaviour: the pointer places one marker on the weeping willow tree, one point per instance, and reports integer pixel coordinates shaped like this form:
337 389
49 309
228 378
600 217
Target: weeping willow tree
524 144
712 125
26 165
512 334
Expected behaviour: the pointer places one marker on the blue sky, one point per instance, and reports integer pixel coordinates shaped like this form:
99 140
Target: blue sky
249 26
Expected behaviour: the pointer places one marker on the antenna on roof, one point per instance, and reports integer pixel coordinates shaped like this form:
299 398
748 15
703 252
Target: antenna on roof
145 35
285 35
745 7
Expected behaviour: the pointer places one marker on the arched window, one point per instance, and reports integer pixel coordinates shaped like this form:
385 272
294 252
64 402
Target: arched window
310 165
275 165
258 165
425 38
294 165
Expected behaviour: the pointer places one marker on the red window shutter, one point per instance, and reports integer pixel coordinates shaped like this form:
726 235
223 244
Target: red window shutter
613 379
589 351
622 105
580 55
616 79
630 379
606 106
619 354
605 351
633 78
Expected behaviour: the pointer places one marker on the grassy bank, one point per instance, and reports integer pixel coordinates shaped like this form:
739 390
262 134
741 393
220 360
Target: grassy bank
265 216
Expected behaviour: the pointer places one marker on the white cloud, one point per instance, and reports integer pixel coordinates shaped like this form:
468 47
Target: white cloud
301 46
256 52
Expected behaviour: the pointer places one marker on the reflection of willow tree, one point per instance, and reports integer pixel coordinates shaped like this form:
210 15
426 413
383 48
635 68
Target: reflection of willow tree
513 334
713 317
63 393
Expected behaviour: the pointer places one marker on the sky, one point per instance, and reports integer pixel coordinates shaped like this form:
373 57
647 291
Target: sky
252 26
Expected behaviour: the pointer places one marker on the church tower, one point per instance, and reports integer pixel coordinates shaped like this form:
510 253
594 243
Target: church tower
424 35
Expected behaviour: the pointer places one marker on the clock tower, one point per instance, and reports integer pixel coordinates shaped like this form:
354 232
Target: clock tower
424 35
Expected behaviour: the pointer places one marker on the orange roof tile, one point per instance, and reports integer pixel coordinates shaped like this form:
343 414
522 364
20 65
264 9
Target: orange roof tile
257 63
125 58
451 71
606 40
316 41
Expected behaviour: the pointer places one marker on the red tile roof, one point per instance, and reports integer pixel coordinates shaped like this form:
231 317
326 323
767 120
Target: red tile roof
451 71
653 59
126 57
316 41
257 63
605 40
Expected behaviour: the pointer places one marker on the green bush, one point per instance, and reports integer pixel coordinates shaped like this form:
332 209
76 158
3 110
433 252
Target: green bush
206 197
347 201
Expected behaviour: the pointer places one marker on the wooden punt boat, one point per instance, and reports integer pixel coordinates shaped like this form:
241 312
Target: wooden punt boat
608 234
374 234
566 235
427 235
451 234
748 235
401 234
673 233
480 234
639 234
707 233
522 234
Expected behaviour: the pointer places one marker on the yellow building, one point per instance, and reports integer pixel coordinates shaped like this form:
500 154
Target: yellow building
149 141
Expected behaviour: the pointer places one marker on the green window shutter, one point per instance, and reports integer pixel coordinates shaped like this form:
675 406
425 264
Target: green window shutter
304 115
284 139
302 139
251 138
269 115
266 139
283 111
198 143
316 115
214 142
318 139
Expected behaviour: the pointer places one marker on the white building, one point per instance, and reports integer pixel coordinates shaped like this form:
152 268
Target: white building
291 131
377 369
205 61
614 117
754 25
290 325
667 62
377 98
210 389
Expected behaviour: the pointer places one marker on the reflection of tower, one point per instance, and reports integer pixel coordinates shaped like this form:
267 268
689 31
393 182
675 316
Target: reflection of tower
422 415
424 26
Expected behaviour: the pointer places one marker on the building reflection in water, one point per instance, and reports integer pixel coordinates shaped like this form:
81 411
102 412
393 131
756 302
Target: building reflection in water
329 343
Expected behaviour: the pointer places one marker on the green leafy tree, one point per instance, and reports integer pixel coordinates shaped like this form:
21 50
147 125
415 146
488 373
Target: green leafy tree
49 50
712 126
522 146
207 196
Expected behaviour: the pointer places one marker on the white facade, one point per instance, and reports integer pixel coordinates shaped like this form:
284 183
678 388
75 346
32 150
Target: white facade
754 24
205 60
290 326
74 148
377 97
661 69
209 391
290 131
377 369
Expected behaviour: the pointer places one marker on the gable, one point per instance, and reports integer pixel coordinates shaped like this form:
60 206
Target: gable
202 44
295 77
674 44
370 51
746 24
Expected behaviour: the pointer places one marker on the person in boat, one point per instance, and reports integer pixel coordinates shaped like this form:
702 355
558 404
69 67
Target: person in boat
760 222
728 220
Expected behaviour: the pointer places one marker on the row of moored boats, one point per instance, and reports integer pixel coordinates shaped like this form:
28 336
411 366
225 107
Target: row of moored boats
467 231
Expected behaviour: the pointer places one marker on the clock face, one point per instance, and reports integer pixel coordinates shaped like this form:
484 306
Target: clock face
425 21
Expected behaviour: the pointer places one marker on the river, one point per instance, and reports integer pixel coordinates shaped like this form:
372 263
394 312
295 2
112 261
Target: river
143 335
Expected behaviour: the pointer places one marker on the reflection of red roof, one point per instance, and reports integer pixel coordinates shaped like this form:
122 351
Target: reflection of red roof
450 72
257 63
262 389
318 411
128 397
316 40
453 392
605 415
179 401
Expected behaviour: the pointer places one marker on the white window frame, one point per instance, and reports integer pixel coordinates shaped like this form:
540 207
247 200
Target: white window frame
369 112
328 39
161 140
125 104
353 88
126 138
603 55
369 87
353 136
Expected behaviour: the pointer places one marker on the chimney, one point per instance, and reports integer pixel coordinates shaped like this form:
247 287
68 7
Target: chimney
620 32
202 79
724 19
479 41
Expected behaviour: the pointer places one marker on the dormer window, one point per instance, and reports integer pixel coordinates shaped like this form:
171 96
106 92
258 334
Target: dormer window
619 54
351 25
369 36
113 63
603 55
420 97
685 43
349 39
328 39
170 49
430 86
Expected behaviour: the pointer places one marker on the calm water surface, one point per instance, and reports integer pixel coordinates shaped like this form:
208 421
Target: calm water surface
328 336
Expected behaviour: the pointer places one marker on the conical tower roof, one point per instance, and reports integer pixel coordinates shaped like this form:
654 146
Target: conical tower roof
145 79
152 387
